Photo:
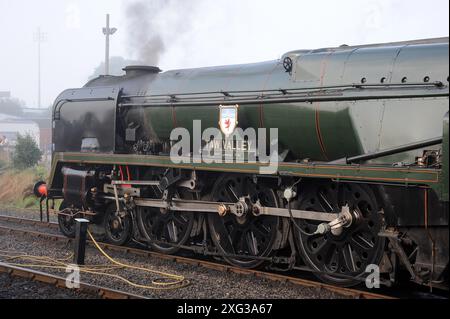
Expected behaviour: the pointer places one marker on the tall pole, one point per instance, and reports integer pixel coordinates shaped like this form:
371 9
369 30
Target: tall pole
107 32
39 68
107 46
39 38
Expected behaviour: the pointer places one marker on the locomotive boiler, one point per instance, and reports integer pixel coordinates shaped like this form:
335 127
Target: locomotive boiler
361 154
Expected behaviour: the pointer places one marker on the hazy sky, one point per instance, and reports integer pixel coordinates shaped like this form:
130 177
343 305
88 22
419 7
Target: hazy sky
196 33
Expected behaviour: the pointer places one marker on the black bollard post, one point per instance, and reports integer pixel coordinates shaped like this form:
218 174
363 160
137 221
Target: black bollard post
80 240
41 209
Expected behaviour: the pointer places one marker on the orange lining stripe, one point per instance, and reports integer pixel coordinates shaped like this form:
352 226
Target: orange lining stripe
319 134
174 117
323 69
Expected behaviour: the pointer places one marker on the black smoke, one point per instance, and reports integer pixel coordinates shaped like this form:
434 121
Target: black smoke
152 25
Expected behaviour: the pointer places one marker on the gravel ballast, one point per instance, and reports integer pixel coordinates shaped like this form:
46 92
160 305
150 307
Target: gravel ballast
21 288
203 283
26 213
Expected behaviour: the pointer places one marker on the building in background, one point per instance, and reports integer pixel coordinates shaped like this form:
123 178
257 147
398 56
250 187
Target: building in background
42 117
10 127
15 118
5 94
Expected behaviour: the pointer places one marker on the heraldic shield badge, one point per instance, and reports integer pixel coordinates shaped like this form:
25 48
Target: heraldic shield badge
228 119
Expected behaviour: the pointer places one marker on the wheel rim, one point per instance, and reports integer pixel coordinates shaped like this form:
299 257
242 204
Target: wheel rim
159 226
117 226
341 259
249 235
66 223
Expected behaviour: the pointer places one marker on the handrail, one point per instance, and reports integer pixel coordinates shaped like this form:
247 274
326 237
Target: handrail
288 91
341 93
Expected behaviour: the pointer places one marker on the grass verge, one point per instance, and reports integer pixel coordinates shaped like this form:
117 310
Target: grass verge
16 187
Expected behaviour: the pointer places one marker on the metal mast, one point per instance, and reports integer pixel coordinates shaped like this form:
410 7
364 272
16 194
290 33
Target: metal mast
107 32
39 37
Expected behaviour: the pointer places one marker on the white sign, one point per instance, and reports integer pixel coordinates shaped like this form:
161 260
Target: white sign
228 119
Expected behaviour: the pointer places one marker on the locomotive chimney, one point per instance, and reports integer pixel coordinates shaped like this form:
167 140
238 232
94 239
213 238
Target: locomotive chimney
138 70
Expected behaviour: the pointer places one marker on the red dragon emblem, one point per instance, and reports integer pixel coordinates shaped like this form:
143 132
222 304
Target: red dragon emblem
227 123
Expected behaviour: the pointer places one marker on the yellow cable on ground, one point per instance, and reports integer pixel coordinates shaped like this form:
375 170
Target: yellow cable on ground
178 280
62 264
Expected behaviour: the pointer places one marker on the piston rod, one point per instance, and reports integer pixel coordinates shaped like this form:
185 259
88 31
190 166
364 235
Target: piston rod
182 205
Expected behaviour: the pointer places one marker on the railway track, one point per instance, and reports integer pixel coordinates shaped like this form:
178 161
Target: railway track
60 282
348 292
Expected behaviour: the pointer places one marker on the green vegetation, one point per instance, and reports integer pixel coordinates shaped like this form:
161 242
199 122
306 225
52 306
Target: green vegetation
27 153
16 187
3 164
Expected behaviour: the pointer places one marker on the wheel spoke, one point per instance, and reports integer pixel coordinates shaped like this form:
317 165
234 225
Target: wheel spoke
233 240
347 253
232 193
327 203
252 243
172 231
179 220
261 229
362 242
158 226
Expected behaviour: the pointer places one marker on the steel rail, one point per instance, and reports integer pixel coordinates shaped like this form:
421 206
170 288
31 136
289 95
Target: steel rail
60 282
348 292
28 221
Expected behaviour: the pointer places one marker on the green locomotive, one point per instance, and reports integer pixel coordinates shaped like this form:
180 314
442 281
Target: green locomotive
356 174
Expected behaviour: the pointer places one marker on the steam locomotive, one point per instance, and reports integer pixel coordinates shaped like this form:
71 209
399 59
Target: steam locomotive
359 151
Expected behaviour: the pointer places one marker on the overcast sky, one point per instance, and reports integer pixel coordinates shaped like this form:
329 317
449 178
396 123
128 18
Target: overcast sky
195 32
